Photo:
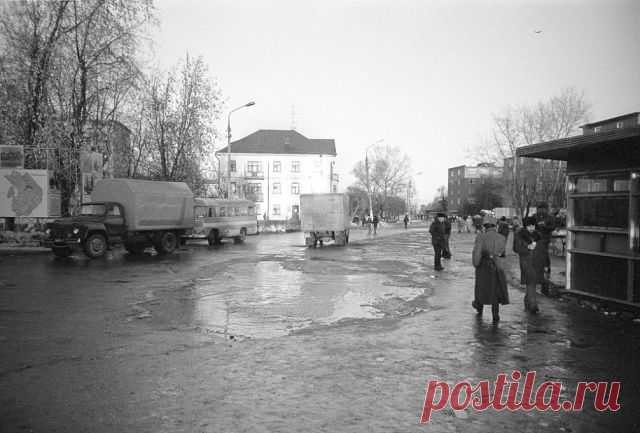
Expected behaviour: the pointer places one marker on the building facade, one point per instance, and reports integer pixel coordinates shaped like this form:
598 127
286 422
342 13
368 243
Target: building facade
273 167
463 181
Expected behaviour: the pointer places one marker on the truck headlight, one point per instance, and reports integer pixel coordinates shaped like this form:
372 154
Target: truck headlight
76 231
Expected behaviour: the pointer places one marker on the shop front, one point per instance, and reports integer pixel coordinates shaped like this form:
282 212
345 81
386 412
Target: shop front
603 193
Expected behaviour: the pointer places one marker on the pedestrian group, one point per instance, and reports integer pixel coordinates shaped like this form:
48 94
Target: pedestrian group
530 242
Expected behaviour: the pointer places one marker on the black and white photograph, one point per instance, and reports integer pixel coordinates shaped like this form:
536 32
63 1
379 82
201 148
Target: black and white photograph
323 216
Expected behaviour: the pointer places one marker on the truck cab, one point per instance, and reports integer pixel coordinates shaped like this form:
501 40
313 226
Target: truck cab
93 229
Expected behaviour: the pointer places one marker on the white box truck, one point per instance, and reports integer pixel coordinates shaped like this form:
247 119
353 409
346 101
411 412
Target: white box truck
131 212
325 217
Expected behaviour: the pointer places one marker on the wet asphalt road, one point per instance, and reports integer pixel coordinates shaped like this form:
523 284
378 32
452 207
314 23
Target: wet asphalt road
134 343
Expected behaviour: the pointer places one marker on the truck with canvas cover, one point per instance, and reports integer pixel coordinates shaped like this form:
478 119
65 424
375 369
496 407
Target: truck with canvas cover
130 212
325 217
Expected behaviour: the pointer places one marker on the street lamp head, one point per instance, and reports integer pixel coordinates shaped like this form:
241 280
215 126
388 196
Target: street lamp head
249 104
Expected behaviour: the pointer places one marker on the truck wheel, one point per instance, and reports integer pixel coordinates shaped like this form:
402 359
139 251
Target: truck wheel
95 246
168 243
61 252
241 238
213 238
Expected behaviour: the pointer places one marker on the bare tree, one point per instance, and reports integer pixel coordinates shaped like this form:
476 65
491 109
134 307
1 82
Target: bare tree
530 180
174 129
66 63
389 172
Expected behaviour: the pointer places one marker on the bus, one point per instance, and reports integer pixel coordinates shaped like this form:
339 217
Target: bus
217 219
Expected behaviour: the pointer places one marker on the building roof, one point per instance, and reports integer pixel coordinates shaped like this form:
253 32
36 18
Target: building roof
611 119
559 149
282 142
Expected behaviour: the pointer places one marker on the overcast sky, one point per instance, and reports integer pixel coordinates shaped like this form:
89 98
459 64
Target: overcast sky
423 75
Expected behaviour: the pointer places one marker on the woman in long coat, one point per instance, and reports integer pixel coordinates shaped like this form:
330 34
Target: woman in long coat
491 282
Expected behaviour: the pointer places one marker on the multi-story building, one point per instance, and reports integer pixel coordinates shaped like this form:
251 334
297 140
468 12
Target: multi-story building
273 167
463 181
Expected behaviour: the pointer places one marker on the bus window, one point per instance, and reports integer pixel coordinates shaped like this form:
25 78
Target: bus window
243 211
236 211
212 212
252 210
222 211
200 212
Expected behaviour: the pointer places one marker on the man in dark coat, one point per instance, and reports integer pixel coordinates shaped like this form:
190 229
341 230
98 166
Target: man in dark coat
503 227
437 231
545 225
491 281
527 244
406 221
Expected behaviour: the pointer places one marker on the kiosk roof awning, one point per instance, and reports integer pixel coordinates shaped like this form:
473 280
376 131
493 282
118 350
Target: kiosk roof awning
560 149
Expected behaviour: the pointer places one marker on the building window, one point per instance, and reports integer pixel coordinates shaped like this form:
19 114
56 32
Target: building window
619 124
276 209
254 167
276 166
295 188
597 129
295 209
295 166
234 187
276 188
233 165
255 188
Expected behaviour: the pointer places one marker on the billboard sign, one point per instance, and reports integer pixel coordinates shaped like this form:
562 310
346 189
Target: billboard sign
26 193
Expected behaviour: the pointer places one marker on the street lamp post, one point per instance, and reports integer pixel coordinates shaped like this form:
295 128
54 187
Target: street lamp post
366 167
248 104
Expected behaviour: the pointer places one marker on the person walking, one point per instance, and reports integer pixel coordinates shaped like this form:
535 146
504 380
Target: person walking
469 223
437 240
406 221
446 252
527 245
503 229
491 282
375 224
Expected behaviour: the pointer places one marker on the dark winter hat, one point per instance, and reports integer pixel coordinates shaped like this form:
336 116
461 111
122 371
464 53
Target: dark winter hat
441 214
529 221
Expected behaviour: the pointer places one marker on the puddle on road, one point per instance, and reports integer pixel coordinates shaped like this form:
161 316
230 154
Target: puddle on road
265 300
